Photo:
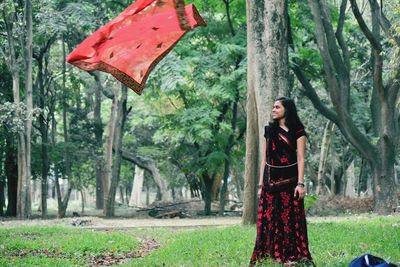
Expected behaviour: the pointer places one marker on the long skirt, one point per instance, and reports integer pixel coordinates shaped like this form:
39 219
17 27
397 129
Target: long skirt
281 229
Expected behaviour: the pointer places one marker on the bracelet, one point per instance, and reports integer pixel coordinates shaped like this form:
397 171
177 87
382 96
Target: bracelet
259 186
300 184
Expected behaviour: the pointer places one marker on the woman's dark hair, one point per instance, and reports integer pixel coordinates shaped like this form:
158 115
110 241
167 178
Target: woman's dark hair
292 120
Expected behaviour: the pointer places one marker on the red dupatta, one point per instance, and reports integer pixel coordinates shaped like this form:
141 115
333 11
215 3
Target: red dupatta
130 45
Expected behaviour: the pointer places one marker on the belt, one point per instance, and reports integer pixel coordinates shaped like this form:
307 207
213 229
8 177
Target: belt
280 166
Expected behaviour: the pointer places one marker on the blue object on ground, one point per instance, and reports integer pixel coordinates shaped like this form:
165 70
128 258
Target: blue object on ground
368 260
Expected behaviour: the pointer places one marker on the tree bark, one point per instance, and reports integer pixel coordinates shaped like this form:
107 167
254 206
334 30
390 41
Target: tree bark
24 183
2 178
227 161
11 171
267 50
325 147
151 166
118 134
44 125
98 132
108 152
207 193
62 202
136 194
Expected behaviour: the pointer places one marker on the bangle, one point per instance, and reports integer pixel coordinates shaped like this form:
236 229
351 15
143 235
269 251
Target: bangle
300 184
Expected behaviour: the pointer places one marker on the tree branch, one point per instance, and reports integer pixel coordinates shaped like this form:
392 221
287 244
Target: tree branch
339 34
313 96
387 26
364 28
331 42
228 14
328 64
108 93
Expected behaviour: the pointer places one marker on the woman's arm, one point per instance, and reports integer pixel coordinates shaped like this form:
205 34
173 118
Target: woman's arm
260 182
301 147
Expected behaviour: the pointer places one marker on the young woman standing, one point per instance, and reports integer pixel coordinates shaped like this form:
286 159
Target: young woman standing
281 225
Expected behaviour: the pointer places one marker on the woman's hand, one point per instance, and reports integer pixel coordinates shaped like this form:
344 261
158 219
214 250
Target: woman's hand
259 191
299 191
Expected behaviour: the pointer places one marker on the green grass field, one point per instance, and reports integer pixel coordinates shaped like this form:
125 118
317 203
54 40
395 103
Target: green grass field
332 243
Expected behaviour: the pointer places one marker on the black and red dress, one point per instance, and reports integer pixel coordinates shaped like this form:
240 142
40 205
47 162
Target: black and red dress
281 224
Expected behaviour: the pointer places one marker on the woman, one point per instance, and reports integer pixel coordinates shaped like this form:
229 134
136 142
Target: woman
281 226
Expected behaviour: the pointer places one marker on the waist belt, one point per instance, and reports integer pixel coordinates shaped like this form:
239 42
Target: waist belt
280 166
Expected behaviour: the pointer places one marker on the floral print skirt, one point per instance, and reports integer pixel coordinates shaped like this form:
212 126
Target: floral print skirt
281 230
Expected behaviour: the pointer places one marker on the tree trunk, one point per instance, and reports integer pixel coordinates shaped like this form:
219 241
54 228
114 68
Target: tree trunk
83 201
208 184
11 171
350 182
64 113
325 146
98 132
238 181
135 200
108 152
62 203
267 51
228 150
2 179
118 135
44 136
24 196
151 166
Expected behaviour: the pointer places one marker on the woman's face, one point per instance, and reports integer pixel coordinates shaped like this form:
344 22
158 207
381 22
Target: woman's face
278 111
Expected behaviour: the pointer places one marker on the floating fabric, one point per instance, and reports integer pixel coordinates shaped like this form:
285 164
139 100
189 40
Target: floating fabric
129 46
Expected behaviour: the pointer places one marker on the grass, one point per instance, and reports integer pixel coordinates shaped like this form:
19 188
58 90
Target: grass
59 246
332 243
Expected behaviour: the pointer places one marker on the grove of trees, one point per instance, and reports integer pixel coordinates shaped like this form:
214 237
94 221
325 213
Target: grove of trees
199 124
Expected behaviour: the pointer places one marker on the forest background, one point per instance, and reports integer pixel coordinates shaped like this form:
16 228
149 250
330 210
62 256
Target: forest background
64 131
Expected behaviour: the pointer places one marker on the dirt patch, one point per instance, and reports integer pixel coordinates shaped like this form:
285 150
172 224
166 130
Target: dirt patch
146 246
108 259
36 253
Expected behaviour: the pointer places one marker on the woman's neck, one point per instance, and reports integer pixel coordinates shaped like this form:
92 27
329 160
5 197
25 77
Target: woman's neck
281 122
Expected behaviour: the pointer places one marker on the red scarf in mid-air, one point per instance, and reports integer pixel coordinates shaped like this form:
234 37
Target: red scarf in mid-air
130 45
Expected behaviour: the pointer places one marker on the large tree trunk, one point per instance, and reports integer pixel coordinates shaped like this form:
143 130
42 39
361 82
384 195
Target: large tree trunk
267 50
118 134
